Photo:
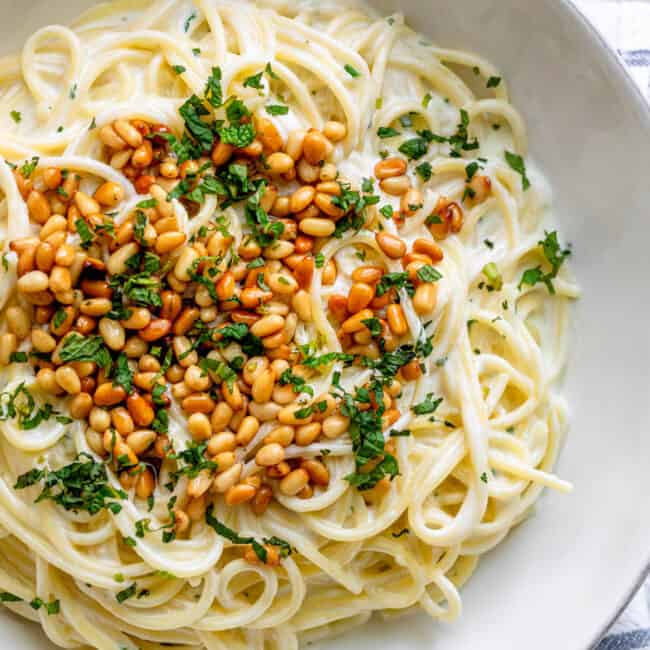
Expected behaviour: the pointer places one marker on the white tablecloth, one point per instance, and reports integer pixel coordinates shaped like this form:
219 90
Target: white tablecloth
626 25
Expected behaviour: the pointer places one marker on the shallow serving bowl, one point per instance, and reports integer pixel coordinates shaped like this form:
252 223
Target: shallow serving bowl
557 581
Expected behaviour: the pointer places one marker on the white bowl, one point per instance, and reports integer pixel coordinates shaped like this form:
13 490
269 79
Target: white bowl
559 580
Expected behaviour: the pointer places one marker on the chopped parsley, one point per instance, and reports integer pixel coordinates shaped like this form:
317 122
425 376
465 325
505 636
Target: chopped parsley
80 485
427 406
387 132
554 255
16 116
493 82
277 109
353 72
517 163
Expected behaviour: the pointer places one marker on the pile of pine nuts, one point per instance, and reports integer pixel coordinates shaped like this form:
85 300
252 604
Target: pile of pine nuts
65 289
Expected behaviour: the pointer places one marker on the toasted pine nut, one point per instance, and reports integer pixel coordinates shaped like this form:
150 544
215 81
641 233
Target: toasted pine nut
262 500
308 433
144 484
424 300
395 185
81 405
396 319
294 482
334 131
18 322
128 133
329 272
301 198
279 163
109 194
390 167
355 323
239 494
169 241
140 410
198 424
8 345
33 282
227 479
301 302
108 395
42 341
294 144
269 455
198 403
316 227
112 333
410 202
391 245
318 473
335 425
85 204
314 147
360 297
307 172
247 429
39 208
156 329
140 440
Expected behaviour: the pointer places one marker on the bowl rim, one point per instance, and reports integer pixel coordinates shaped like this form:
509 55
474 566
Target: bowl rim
613 60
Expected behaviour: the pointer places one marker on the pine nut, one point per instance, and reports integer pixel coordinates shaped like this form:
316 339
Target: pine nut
18 322
301 302
144 484
183 266
33 282
268 134
109 194
318 473
143 155
360 297
294 144
80 406
247 429
221 153
335 425
267 325
307 433
334 131
222 442
112 333
108 395
395 185
169 241
329 272
279 163
139 441
390 167
425 298
122 421
68 379
238 494
307 172
392 246
110 138
269 455
262 500
8 346
263 386
396 320
198 424
198 403
39 208
60 280
282 435
42 341
294 482
227 479
156 329
99 419
314 147
140 410
264 412
128 133
355 323
411 202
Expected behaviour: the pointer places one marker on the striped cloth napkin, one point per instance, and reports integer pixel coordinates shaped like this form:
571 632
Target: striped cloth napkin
626 26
